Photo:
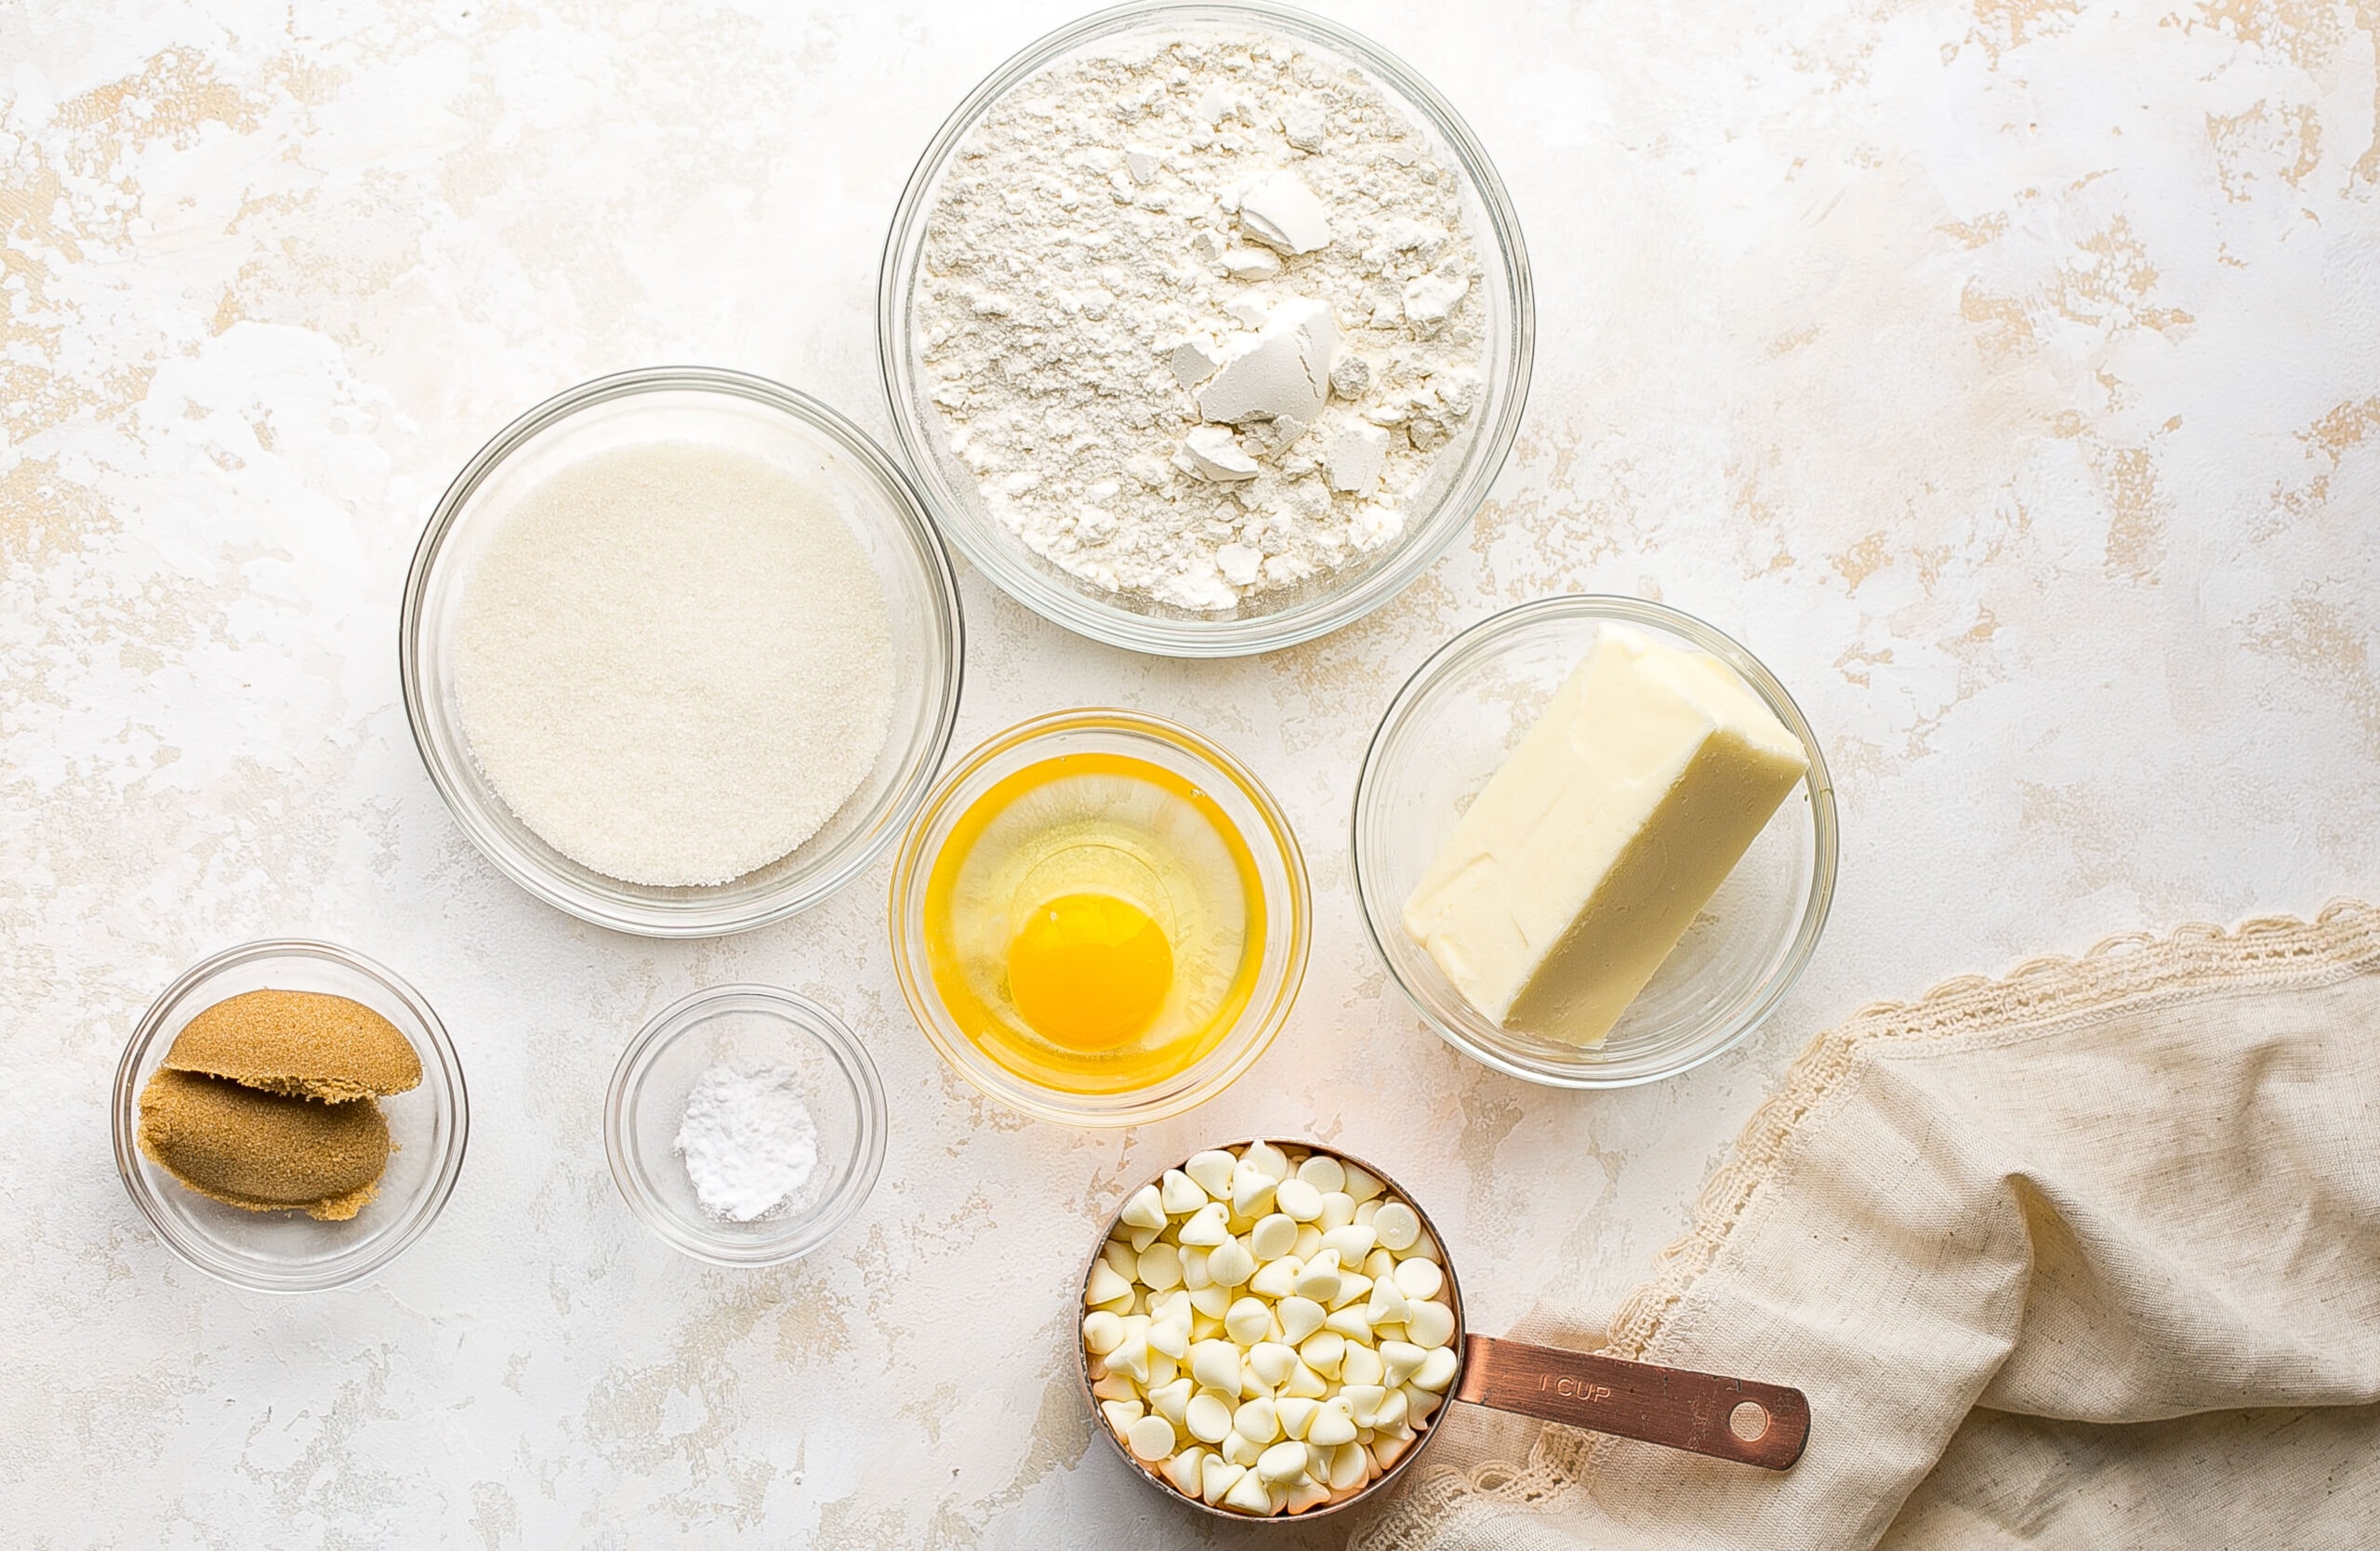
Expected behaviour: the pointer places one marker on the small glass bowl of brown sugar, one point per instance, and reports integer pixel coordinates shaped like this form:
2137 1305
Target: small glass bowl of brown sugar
221 1120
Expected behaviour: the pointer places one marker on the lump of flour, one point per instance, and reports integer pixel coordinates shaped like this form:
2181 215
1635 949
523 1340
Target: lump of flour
1199 317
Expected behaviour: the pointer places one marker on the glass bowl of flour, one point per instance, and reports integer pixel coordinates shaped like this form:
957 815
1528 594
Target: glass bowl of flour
744 1125
1206 328
682 651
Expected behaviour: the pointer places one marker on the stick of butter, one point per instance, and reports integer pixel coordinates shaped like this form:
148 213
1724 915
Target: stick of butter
1581 863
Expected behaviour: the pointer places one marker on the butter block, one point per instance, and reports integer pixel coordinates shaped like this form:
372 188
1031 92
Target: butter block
1587 856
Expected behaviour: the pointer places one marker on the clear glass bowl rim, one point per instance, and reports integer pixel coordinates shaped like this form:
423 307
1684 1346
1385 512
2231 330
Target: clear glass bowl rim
1015 573
440 1063
692 919
1146 1106
820 1224
1819 783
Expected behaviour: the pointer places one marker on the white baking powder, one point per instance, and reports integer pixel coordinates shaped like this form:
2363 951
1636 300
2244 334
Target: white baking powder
748 1142
674 662
1198 317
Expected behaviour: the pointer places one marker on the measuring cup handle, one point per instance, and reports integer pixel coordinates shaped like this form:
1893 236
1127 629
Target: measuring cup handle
1730 1419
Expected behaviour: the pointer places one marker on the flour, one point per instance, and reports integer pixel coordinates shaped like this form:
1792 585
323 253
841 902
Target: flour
1198 318
748 1142
674 662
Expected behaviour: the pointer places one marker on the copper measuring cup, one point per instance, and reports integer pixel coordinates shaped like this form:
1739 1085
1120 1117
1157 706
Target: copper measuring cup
1755 1423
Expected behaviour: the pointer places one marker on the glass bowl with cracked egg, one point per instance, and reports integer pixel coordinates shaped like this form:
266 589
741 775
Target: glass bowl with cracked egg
859 489
1453 727
1100 918
290 1251
746 1029
1205 328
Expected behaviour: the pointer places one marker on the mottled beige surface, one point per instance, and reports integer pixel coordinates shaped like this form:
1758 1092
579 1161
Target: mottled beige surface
2008 376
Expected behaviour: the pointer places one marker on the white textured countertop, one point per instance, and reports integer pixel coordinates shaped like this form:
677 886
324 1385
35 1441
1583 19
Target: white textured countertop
2004 376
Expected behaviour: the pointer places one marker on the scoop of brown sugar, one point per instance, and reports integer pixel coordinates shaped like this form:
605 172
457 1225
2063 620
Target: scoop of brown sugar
307 1044
260 1150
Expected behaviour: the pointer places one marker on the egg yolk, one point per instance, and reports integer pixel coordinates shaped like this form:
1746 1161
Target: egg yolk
1089 971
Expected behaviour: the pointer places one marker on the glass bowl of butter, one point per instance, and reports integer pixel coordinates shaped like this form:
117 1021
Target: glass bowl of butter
1595 841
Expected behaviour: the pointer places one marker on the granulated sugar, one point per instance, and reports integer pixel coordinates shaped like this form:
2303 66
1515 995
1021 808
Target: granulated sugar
1200 317
674 663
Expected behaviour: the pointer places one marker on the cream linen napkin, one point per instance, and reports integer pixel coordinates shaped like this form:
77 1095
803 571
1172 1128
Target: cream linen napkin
2063 1260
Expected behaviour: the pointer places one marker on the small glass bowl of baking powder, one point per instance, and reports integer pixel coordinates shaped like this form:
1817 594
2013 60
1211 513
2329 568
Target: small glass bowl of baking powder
746 415
288 1252
747 1029
1451 727
1434 515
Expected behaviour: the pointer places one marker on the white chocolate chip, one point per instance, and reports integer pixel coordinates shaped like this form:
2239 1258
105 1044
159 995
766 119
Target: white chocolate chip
1248 1320
1300 1317
1274 1363
1305 1383
1388 1450
1141 1238
1231 1264
1105 1287
1101 1332
1436 1371
1379 1264
1215 1364
1360 1185
1309 1241
1124 1259
1266 1158
1122 1414
1170 1338
1193 1268
1324 1352
1171 1402
1151 1437
1212 1173
1389 1305
1282 1464
1251 1189
1145 1210
1208 1416
1277 1278
1216 1477
1421 1404
1338 1210
1160 1268
1323 1172
1352 1242
1349 1465
1429 1324
1240 1450
1186 1470
1296 1415
1248 1495
1178 1193
1401 1358
1115 1387
1211 1300
1333 1426
1273 1235
1257 1420
1363 1401
1419 1278
1352 1286
1209 1226
1363 1366
1299 1202
1350 1322
1398 1226
1318 1278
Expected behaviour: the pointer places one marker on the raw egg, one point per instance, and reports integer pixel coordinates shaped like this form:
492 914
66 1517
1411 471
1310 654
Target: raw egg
1094 923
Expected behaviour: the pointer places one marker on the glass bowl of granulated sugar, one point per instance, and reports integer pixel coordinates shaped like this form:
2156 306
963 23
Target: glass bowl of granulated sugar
1206 328
680 650
744 1125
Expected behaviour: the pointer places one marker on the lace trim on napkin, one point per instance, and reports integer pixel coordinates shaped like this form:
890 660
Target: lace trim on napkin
2118 972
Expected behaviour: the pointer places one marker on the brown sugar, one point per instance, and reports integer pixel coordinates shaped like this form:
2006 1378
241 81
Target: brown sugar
305 1045
261 1150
